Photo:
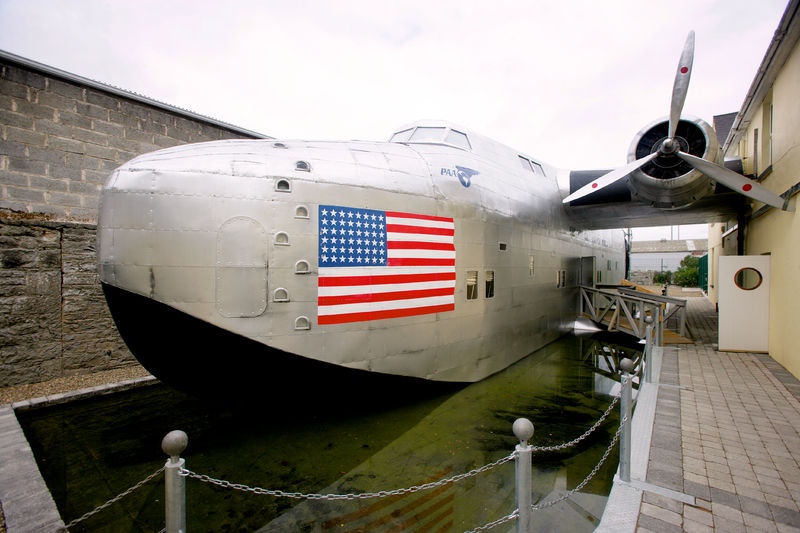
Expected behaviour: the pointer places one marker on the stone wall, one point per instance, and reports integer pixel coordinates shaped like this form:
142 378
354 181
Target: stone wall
60 137
54 321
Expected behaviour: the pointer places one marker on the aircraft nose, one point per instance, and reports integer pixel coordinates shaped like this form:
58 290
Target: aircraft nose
187 231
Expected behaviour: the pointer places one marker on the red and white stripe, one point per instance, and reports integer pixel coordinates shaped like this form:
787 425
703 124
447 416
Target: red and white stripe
419 278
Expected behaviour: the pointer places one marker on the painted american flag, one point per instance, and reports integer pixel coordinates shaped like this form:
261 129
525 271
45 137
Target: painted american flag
383 264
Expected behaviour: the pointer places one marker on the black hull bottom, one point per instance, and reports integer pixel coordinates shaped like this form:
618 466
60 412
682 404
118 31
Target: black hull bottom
209 362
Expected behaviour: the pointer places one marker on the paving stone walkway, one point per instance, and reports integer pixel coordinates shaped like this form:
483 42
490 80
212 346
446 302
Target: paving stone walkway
724 452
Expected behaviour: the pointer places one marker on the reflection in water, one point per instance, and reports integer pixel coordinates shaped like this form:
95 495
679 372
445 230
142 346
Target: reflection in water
91 450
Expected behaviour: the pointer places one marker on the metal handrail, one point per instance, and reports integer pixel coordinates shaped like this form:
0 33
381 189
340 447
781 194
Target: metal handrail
635 309
674 306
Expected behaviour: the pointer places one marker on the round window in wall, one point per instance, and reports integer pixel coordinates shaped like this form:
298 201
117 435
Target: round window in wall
748 278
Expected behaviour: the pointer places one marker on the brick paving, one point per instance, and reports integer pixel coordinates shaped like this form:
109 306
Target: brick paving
724 452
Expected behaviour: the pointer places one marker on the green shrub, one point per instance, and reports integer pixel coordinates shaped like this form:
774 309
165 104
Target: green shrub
688 275
661 278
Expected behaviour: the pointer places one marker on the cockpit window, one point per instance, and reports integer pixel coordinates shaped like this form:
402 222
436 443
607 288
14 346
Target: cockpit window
457 138
422 135
531 166
402 136
433 135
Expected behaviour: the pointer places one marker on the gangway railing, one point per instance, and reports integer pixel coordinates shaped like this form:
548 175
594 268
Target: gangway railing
626 312
673 307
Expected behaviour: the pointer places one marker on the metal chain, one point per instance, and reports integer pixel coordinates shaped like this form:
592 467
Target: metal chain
113 500
491 525
350 496
396 492
588 478
537 507
384 493
564 446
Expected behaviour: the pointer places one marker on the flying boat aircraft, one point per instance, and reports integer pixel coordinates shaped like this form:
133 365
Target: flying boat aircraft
440 256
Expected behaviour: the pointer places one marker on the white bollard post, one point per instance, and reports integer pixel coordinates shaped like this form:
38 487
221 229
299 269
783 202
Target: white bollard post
625 418
173 445
523 430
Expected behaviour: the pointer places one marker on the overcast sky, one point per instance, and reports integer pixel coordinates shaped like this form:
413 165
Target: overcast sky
569 82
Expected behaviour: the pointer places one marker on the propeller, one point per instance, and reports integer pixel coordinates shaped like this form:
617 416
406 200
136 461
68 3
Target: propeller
671 146
735 182
681 86
609 178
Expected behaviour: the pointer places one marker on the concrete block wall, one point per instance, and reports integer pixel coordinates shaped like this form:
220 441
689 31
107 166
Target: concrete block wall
60 138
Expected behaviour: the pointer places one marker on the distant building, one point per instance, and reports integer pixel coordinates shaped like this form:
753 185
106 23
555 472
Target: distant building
663 255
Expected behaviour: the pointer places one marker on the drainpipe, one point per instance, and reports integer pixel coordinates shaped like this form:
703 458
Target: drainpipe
741 220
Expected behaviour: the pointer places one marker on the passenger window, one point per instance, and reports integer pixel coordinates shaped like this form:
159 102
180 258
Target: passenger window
472 285
561 279
490 283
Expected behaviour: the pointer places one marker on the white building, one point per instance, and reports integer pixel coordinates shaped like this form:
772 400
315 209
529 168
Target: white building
664 255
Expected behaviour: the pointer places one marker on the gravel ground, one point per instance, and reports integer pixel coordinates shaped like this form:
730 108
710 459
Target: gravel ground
69 383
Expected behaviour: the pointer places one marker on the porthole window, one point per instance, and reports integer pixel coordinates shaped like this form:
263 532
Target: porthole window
748 279
302 267
301 211
283 185
280 295
282 238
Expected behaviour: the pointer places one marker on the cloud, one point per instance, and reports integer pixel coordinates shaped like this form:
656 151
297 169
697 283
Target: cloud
569 82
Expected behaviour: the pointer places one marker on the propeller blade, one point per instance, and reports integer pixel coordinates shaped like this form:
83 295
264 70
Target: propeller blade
735 182
681 86
607 179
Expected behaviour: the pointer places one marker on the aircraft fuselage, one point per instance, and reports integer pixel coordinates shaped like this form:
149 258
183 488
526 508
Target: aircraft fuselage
467 264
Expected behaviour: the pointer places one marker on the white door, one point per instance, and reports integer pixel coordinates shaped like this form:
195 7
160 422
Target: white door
744 303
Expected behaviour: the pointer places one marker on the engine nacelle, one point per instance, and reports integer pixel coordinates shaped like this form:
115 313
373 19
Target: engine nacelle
668 181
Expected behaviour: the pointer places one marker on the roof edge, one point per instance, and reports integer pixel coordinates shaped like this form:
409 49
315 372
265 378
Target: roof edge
783 41
100 86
